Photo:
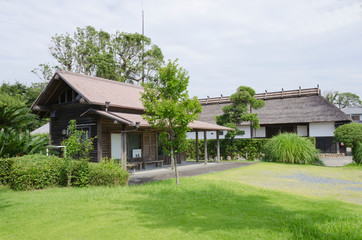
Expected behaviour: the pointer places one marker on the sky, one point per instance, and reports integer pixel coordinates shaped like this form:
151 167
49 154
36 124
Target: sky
264 44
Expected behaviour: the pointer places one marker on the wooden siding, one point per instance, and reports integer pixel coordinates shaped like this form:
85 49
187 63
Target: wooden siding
63 115
149 139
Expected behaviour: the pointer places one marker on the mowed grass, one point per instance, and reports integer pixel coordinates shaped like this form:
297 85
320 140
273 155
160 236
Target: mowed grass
342 183
212 206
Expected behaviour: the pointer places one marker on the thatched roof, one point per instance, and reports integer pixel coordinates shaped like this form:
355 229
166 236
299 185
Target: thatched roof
295 108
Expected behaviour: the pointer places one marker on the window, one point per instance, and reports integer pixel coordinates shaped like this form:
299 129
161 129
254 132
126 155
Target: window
356 118
134 144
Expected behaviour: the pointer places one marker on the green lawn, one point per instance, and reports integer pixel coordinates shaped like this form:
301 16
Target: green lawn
214 206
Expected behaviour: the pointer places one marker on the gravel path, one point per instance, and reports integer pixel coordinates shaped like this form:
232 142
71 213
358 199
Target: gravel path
337 161
184 171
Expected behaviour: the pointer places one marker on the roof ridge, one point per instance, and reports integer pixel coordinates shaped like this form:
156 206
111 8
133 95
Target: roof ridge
267 95
98 78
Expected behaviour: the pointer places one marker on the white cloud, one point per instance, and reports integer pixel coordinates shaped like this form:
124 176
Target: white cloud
223 44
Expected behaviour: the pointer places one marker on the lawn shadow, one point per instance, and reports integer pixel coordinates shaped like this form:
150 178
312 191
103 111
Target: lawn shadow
203 206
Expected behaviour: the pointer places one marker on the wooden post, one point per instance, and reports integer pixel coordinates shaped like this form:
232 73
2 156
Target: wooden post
197 146
124 147
99 139
217 146
205 147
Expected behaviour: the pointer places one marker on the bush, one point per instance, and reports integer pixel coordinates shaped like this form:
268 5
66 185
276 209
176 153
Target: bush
291 148
357 152
5 170
249 149
40 171
35 172
14 143
107 173
349 133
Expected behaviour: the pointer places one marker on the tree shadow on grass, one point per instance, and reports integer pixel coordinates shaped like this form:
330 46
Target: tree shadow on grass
200 206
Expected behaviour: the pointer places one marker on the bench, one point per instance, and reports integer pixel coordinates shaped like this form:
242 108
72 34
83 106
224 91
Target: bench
157 162
134 165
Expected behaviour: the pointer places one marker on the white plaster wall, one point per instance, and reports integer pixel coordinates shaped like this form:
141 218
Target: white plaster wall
260 133
321 129
212 134
302 130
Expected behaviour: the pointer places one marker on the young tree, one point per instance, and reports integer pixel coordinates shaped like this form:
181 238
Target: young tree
238 111
342 100
122 56
169 108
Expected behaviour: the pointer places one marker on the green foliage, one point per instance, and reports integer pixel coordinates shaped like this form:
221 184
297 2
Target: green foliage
15 117
238 111
107 173
40 171
342 100
78 144
357 152
35 172
291 148
18 94
15 143
249 149
349 134
169 107
121 56
6 165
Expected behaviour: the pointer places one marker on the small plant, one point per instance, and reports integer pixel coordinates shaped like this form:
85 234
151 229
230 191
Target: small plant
78 144
291 148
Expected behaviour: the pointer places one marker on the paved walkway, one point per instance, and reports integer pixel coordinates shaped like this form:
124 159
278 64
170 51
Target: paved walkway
190 169
337 161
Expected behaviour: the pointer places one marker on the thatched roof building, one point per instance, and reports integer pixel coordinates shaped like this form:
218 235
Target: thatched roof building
303 111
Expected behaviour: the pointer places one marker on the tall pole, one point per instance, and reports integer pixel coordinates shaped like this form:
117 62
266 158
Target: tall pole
143 45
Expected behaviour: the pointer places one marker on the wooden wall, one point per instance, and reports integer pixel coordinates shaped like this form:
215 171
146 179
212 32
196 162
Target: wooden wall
63 114
149 139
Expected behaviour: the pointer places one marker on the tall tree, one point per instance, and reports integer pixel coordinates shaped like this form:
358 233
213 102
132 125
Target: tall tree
169 108
122 56
342 100
238 111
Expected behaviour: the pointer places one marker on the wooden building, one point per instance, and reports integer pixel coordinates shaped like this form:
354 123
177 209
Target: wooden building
303 111
110 110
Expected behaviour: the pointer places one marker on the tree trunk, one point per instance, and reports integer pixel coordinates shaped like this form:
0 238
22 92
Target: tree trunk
175 165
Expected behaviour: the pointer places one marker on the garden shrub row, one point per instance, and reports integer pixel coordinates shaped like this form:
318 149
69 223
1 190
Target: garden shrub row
245 148
39 171
249 149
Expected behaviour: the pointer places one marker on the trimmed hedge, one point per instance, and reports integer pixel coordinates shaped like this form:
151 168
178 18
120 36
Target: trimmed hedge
39 171
107 174
246 148
249 149
6 165
35 172
357 152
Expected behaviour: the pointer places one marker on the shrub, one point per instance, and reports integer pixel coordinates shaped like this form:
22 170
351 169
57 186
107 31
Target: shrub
357 152
249 149
14 143
35 172
6 165
107 173
349 133
291 148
